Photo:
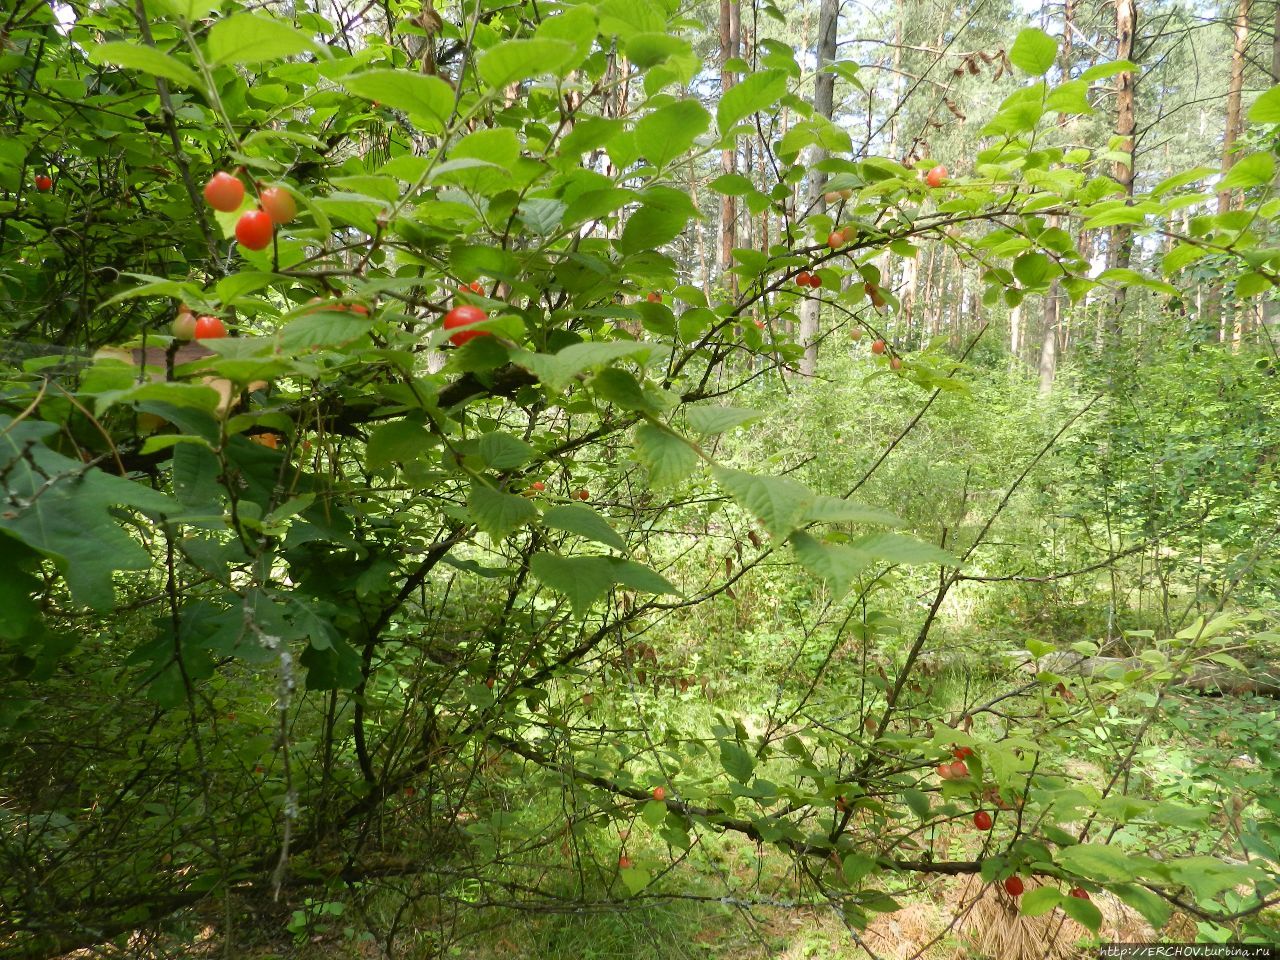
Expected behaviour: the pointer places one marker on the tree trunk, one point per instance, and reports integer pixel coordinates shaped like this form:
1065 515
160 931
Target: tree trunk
1015 331
1234 88
823 105
729 25
1121 239
1049 341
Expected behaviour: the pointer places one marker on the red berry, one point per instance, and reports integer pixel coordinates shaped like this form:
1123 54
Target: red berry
209 328
538 485
982 820
803 278
488 682
815 281
654 298
759 324
409 791
1080 893
1014 886
944 771
961 752
278 204
254 229
659 794
936 176
855 334
475 286
959 770
461 317
835 239
583 494
624 862
895 363
43 183
877 346
224 192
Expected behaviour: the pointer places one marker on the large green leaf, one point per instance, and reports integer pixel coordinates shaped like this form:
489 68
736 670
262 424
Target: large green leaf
780 503
666 457
835 563
585 522
669 131
1033 51
64 510
1253 170
497 513
760 91
583 580
557 371
711 419
514 60
137 56
424 98
1266 109
503 451
1098 861
252 38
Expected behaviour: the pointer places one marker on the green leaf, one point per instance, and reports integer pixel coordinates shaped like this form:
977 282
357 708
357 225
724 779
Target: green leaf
324 328
780 503
502 451
1033 52
1040 901
1032 269
709 419
1266 109
736 760
1083 912
421 96
732 184
583 580
757 92
634 878
918 801
666 457
65 510
1097 861
400 441
654 813
836 564
557 371
585 522
1070 97
137 56
1154 909
250 38
902 548
499 514
669 131
1101 71
514 60
650 227
1253 170
623 390
825 509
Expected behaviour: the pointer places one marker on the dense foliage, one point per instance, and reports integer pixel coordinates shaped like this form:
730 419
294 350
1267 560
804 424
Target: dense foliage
388 626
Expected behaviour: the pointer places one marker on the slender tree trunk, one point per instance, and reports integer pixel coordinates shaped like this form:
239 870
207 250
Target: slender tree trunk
1015 331
1234 87
1275 45
1049 341
1121 239
729 25
823 105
